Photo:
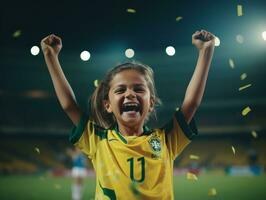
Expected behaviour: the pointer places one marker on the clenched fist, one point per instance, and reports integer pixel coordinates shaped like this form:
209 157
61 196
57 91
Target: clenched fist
203 39
51 45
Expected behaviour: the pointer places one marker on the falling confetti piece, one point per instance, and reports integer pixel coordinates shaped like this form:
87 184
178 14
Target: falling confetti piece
231 63
178 18
57 186
131 10
194 157
109 174
177 109
134 188
96 83
246 110
17 33
212 192
240 39
37 150
243 76
239 10
233 149
244 87
191 176
254 134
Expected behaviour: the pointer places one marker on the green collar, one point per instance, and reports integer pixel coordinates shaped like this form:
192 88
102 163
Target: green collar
146 131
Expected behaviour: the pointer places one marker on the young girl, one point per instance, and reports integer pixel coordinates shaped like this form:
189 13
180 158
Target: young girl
131 161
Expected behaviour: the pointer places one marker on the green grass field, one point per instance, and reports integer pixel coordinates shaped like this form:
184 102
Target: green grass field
51 188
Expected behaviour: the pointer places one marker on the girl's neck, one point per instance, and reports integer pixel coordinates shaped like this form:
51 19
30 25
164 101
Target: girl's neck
130 130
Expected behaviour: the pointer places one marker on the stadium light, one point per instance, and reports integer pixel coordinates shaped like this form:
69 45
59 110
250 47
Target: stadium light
129 53
170 51
85 55
264 35
217 41
35 50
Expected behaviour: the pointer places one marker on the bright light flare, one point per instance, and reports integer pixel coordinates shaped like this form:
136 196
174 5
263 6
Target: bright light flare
264 35
170 51
35 50
85 55
217 41
129 53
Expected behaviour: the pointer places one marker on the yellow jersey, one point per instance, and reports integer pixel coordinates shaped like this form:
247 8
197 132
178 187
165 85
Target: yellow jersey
133 167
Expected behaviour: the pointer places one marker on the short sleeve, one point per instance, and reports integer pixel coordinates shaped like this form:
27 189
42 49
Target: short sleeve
86 136
179 134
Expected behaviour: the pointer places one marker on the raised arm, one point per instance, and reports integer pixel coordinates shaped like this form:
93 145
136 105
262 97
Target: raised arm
51 46
204 41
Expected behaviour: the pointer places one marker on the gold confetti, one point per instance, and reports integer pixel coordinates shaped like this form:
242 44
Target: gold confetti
231 63
37 150
233 149
131 10
178 18
212 192
109 174
17 33
96 83
239 10
191 176
254 134
57 186
193 157
246 110
244 87
243 76
134 188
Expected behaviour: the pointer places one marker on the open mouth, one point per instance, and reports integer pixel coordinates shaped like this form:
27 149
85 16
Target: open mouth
130 107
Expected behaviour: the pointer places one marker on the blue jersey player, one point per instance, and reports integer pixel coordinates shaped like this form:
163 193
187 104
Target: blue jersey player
78 172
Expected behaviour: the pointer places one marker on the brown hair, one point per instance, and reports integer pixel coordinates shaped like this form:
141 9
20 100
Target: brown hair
97 109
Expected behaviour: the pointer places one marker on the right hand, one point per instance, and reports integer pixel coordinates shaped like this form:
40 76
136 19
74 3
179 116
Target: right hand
203 39
51 45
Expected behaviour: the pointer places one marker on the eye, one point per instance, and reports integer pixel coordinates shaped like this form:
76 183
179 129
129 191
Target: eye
139 89
119 90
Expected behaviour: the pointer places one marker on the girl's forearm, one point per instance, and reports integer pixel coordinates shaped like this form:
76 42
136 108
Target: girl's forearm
196 87
62 87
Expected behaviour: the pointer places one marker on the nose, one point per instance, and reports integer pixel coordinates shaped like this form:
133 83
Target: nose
130 94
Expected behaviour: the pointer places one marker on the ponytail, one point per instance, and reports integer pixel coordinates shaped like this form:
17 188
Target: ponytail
98 112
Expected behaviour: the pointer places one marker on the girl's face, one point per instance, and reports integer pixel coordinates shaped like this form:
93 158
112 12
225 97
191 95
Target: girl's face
129 98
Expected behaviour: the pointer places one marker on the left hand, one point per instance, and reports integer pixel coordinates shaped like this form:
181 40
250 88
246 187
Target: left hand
203 39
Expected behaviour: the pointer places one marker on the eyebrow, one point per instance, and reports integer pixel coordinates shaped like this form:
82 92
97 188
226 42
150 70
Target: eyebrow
134 85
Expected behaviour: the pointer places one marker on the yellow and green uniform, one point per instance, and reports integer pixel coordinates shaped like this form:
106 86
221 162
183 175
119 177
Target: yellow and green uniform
133 167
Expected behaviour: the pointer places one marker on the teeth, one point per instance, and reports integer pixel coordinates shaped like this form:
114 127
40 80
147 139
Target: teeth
130 107
130 104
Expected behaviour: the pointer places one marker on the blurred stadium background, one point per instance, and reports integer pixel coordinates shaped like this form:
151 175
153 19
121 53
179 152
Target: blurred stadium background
227 158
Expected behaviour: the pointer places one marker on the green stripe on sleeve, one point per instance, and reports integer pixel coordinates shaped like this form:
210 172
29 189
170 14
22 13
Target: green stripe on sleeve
78 130
108 192
190 130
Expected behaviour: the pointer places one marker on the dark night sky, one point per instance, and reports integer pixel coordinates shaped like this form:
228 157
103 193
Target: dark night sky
105 29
